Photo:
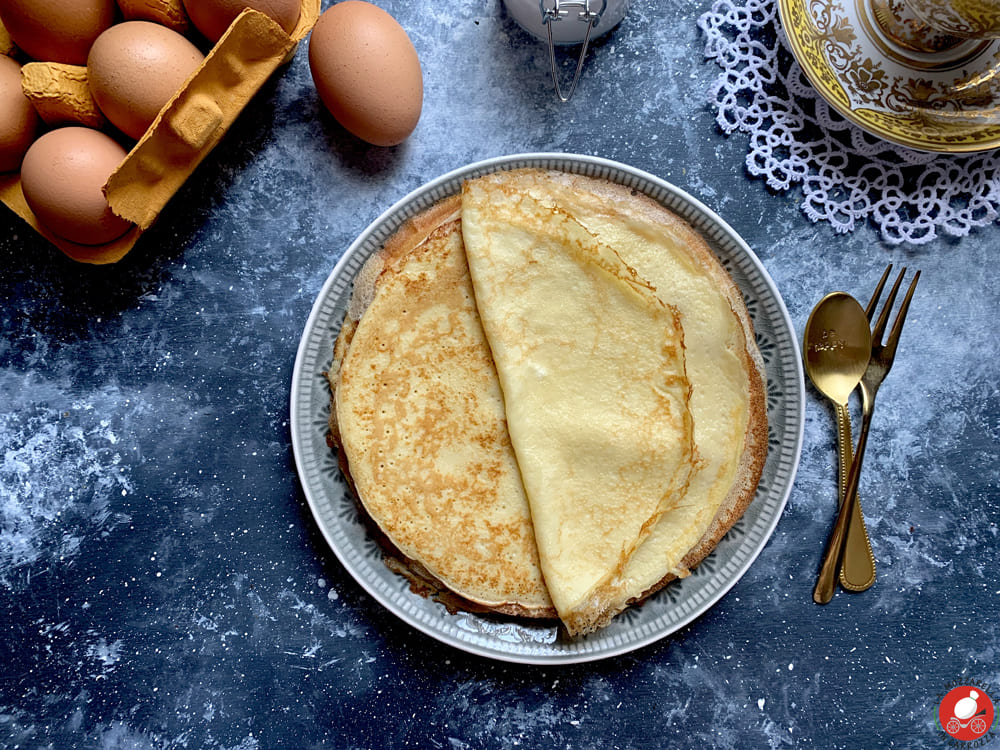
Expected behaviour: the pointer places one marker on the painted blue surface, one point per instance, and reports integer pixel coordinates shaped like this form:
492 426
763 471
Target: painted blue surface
163 584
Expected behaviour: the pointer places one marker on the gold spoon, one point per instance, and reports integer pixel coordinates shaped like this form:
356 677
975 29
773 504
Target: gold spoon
838 345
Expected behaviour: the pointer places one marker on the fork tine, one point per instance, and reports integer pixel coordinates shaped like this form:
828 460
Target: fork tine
897 327
870 310
883 317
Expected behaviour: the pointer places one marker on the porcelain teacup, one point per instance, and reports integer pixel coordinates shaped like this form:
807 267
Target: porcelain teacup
966 19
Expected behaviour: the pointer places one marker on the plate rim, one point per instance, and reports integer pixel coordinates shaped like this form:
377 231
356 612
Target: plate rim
506 162
929 145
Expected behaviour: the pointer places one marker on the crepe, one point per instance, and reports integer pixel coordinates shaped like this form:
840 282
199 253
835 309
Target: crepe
591 363
450 505
723 364
418 418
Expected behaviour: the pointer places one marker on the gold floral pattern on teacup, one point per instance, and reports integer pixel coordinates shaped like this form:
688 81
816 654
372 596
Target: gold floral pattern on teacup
971 19
904 27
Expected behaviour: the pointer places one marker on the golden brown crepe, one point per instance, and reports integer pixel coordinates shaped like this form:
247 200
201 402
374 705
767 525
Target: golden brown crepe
418 417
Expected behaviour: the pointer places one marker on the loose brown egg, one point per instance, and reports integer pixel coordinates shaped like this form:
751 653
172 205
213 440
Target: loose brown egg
63 175
367 72
134 68
56 31
212 17
18 118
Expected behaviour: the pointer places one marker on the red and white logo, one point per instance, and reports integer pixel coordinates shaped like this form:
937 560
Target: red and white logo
966 713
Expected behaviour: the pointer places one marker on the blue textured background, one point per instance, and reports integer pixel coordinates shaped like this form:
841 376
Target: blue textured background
163 585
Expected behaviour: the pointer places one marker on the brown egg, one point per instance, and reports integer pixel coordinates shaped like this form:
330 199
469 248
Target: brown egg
18 118
60 31
212 17
62 176
367 72
134 68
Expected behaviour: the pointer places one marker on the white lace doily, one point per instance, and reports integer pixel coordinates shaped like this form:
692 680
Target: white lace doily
847 175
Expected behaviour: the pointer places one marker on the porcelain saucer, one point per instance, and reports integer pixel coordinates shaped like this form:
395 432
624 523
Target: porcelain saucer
930 93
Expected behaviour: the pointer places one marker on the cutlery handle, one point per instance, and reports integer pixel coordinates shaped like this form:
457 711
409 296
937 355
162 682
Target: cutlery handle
857 569
845 447
827 578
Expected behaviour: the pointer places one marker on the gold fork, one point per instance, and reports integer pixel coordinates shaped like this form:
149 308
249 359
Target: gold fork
857 567
878 367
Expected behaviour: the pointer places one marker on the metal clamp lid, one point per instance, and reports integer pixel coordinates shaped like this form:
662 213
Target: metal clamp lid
557 10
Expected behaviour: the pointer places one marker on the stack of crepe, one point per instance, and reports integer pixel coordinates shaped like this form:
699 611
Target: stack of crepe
547 398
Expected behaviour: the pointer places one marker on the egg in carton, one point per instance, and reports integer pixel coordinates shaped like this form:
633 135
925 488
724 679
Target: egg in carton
186 129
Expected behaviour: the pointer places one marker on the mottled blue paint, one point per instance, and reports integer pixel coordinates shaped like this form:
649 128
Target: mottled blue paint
163 585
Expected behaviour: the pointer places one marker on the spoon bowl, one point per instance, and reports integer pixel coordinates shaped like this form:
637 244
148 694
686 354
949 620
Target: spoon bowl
838 345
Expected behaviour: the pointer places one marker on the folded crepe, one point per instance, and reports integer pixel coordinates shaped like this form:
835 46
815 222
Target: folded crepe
591 363
418 418
722 361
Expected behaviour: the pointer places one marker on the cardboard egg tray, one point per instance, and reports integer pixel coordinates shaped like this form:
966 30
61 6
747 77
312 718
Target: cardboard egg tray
184 132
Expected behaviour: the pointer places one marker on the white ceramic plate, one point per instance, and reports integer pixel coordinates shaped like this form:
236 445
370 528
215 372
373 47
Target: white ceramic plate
520 640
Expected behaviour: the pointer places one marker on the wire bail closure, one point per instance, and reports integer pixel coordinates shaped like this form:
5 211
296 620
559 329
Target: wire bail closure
557 10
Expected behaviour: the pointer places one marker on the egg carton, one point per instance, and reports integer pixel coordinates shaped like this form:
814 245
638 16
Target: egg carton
184 132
